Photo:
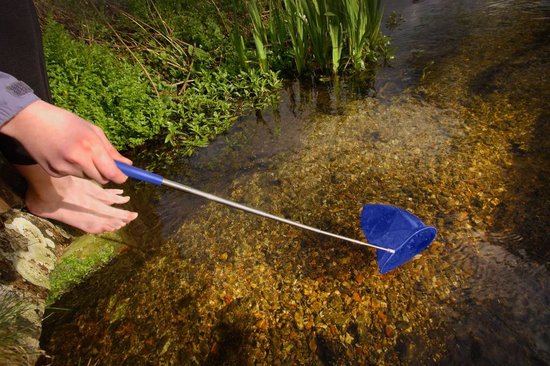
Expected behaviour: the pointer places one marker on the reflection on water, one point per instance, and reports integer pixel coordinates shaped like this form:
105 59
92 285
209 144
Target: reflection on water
465 148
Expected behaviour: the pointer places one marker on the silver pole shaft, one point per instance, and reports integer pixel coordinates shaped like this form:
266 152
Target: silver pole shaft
211 197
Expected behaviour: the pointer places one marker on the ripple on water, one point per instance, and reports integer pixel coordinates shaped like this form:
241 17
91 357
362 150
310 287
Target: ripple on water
507 305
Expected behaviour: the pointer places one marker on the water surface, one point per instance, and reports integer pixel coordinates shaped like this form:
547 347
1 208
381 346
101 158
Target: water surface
455 131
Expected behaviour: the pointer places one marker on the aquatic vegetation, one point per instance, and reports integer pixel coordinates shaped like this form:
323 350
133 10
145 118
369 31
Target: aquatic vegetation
259 34
394 20
214 100
324 35
92 82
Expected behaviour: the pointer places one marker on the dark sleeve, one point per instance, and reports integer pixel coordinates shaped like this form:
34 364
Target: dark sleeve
14 96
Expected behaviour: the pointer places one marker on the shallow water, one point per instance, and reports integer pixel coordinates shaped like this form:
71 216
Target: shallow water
457 134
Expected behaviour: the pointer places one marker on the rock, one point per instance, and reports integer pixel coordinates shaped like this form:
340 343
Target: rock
34 259
29 247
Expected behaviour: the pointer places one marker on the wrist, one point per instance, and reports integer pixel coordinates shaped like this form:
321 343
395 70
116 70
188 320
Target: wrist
21 120
15 95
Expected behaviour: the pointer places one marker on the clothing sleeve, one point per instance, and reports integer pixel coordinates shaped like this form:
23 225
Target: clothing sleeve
14 96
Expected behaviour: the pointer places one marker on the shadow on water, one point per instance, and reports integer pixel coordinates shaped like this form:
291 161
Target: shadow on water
468 152
250 146
521 222
506 299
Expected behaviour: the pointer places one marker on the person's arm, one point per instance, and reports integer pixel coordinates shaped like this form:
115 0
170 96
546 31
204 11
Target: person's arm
14 96
60 141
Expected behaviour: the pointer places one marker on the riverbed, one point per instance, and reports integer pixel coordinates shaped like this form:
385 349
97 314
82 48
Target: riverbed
455 131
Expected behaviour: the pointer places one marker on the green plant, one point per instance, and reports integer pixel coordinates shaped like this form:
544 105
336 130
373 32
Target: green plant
259 34
335 30
110 92
214 100
147 84
197 22
73 269
292 18
237 41
315 20
324 34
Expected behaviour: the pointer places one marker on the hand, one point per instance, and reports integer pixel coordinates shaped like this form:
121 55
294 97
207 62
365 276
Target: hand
65 144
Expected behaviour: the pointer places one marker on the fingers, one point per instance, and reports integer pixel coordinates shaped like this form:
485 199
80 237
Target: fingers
66 144
97 166
115 155
105 164
106 168
99 155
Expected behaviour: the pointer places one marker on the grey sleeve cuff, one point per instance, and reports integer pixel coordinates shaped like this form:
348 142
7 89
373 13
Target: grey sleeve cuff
14 96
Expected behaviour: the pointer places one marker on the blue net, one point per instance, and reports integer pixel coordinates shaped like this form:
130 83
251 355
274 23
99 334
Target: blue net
393 228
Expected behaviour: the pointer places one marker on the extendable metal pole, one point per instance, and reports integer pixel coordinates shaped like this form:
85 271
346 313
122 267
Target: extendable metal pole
211 197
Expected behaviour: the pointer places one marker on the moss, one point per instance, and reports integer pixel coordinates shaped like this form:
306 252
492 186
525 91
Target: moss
84 256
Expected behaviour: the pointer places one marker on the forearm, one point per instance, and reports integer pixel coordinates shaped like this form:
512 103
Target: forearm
15 95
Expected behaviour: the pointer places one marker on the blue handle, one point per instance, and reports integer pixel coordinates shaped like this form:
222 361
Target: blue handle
139 174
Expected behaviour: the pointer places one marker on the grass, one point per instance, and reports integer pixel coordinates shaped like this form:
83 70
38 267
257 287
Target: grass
13 328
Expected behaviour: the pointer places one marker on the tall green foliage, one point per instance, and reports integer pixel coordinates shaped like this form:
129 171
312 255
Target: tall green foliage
293 23
240 49
324 35
259 34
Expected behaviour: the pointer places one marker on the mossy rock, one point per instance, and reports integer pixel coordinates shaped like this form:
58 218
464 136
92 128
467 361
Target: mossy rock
85 255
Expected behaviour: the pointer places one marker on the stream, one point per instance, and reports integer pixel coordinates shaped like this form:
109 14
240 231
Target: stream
455 130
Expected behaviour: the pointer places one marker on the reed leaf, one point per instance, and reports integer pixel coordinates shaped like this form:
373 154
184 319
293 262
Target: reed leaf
240 49
316 25
258 34
356 23
335 31
374 13
277 31
294 19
